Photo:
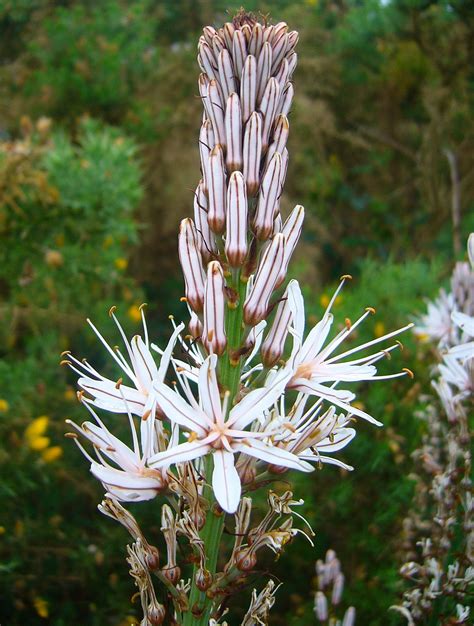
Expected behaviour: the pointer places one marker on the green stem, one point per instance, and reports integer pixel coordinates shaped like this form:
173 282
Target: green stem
200 604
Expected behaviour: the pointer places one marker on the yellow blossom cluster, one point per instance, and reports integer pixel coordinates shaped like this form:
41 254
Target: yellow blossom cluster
36 439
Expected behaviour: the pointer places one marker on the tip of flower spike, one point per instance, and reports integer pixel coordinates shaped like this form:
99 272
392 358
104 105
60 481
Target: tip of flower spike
112 310
408 372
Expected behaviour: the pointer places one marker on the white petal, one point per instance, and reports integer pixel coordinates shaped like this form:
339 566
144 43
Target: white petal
209 390
144 365
179 454
339 440
127 487
226 481
315 339
465 322
274 455
178 410
107 396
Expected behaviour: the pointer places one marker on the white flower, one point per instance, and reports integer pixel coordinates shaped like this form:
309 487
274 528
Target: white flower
215 430
437 324
128 479
314 365
463 351
141 399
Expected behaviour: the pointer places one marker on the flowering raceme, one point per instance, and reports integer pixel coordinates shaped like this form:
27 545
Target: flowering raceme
245 394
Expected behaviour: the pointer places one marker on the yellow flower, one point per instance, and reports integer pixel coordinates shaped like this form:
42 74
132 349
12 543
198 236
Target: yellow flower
39 443
37 427
121 263
41 606
52 454
53 258
379 329
134 313
3 530
4 406
324 300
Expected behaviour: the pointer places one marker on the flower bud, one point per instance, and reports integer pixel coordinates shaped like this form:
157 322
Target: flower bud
256 303
286 99
268 200
280 44
280 137
337 589
256 40
190 259
248 88
268 108
274 344
215 110
229 31
321 606
226 73
292 231
195 326
264 65
217 190
206 239
206 59
213 336
206 143
349 617
233 130
239 52
173 574
236 235
152 558
252 153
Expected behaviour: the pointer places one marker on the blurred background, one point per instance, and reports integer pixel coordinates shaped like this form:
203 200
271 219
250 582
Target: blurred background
99 119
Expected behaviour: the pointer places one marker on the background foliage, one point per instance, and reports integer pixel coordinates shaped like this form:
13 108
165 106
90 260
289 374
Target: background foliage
98 159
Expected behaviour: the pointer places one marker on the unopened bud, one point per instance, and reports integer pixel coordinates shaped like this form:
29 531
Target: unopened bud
239 51
152 558
156 614
337 589
215 110
206 239
195 326
217 190
268 107
206 144
248 87
321 606
236 235
252 153
233 131
292 231
256 304
213 336
226 73
190 258
264 66
349 617
274 344
269 199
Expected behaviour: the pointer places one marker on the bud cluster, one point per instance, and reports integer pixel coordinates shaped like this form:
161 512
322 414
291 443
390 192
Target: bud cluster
329 594
237 233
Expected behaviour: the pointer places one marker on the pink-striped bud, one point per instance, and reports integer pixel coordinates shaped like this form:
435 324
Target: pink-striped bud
337 589
269 199
252 153
349 617
195 326
236 234
206 143
286 99
248 88
213 335
292 63
293 38
280 44
268 107
274 344
190 258
215 110
216 190
206 59
280 137
206 239
208 33
321 606
226 73
256 40
233 131
239 52
264 66
292 231
256 303
229 31
217 45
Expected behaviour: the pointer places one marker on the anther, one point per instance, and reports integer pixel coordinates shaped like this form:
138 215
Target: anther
142 306
387 354
71 435
192 436
346 277
370 309
112 310
348 323
118 383
80 395
409 372
183 299
146 415
65 362
400 344
66 352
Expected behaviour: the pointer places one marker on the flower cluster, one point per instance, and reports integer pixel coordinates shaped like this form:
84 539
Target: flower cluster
330 587
439 531
248 393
